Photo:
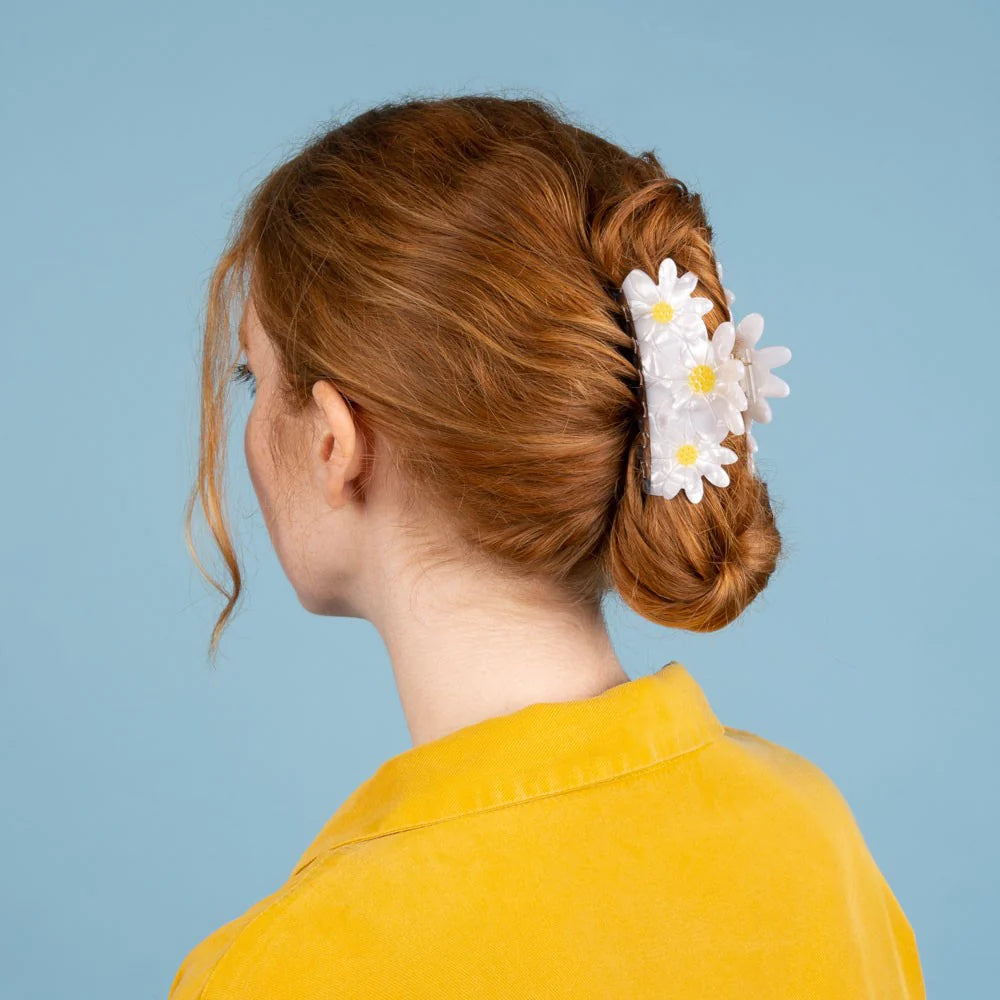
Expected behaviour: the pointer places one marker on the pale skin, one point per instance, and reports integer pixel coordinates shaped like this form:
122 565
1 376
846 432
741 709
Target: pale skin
464 643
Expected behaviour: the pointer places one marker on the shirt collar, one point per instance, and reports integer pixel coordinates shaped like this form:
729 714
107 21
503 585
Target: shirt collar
536 750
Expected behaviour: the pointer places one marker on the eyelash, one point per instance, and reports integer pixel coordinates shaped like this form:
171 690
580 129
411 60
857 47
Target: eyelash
241 373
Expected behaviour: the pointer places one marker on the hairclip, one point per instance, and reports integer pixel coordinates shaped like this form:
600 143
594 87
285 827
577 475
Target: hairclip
696 390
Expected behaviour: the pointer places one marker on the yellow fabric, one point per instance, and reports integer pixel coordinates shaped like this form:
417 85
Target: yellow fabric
624 846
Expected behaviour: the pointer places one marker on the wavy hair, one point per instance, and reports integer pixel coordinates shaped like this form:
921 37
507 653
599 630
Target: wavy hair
446 263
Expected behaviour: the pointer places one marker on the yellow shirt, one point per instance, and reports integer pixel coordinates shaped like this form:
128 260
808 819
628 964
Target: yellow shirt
624 846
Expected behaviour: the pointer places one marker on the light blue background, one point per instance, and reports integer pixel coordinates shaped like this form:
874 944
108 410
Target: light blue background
848 160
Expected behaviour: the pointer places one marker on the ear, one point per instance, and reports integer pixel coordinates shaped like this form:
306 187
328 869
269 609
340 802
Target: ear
336 452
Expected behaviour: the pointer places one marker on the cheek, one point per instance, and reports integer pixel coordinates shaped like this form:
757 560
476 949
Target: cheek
260 465
271 491
254 452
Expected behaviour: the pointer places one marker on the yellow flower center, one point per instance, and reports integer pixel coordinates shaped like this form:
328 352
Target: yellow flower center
701 378
663 312
687 454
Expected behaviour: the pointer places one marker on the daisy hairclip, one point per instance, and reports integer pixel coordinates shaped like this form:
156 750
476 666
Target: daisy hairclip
696 390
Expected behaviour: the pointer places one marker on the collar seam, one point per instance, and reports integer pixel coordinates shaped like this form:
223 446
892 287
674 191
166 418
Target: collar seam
717 733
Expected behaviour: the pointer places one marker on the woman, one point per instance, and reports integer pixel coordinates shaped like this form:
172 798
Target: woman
457 435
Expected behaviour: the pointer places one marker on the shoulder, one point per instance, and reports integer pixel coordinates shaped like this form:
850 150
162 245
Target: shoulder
306 931
815 816
793 813
752 760
808 821
206 971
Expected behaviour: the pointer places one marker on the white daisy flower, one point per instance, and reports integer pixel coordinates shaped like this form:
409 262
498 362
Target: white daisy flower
663 311
765 382
704 381
682 457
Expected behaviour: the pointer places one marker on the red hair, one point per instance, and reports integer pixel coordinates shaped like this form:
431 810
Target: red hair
446 264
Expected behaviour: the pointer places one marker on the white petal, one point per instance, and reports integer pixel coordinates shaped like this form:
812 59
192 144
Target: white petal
679 384
721 333
771 385
671 488
674 357
772 357
735 394
686 284
750 328
761 411
726 413
640 286
694 488
667 276
689 312
729 371
717 475
734 419
706 421
722 342
679 430
694 345
662 337
684 395
661 482
645 325
701 305
689 328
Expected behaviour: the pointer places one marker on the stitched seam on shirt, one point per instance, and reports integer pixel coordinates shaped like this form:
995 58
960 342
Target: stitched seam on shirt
297 881
515 802
281 894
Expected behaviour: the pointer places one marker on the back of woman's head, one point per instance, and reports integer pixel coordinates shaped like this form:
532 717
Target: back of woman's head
447 264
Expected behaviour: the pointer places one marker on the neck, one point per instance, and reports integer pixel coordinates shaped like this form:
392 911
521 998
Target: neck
466 645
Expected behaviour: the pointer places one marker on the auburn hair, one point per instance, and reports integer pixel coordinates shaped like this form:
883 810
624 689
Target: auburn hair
446 263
